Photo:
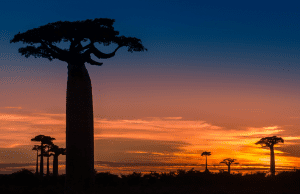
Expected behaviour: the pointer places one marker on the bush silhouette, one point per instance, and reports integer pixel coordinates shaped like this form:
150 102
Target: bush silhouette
184 180
23 177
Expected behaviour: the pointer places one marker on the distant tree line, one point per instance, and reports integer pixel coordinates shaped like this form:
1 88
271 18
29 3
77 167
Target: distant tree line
266 142
48 149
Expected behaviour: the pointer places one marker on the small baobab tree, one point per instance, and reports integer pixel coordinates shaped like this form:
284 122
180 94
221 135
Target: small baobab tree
56 152
48 155
37 148
44 140
228 162
206 154
79 105
269 142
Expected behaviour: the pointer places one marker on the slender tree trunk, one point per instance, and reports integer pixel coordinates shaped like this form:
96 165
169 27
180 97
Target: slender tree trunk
37 162
55 165
206 165
229 169
47 165
272 160
79 131
42 161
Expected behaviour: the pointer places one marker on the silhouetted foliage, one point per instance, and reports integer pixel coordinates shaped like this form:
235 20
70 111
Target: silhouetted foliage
24 181
107 179
24 177
99 30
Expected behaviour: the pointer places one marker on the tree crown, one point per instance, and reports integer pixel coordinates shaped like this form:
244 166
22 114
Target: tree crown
43 139
229 161
206 153
270 141
57 150
36 147
99 30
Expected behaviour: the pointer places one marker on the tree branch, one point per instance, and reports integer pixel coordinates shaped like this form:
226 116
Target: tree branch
72 46
36 52
79 47
75 45
101 55
55 48
86 46
92 62
51 51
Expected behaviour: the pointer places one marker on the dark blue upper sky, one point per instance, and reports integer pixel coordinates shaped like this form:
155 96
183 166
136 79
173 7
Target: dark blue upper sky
247 42
177 30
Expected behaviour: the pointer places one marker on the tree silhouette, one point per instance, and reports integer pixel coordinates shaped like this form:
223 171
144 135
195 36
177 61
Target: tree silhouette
37 148
206 154
79 106
47 154
228 162
44 140
56 152
270 142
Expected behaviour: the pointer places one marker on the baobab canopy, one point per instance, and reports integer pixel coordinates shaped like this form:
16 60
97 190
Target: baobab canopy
269 141
99 30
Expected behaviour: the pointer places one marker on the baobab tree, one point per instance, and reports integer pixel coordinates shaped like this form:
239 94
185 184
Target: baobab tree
56 152
47 154
228 162
37 148
206 154
79 105
44 140
270 142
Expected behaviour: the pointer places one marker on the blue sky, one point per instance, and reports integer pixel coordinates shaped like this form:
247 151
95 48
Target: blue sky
177 30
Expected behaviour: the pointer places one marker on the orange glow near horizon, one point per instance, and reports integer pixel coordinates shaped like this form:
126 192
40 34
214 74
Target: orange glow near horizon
171 140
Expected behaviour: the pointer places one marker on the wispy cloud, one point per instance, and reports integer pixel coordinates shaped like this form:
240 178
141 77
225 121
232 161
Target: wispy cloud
197 135
13 107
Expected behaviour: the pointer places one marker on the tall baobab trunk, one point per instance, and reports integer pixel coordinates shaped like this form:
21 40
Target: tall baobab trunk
79 131
206 165
228 169
42 161
37 162
55 165
272 162
47 165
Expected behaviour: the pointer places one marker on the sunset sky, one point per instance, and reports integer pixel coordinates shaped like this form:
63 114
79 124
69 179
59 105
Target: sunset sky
216 77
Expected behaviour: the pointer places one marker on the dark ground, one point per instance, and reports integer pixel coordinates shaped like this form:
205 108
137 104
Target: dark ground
180 182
